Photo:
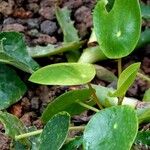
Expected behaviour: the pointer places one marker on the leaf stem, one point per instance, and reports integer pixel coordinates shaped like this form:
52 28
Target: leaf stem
33 133
120 99
25 135
119 66
144 77
89 107
77 128
95 98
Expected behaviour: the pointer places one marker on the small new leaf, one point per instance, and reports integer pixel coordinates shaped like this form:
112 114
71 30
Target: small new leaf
126 79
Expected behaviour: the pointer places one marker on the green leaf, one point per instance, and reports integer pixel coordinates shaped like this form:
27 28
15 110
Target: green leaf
63 18
49 50
73 145
118 30
143 138
145 10
103 96
13 126
92 55
144 114
69 32
144 38
55 132
67 102
11 87
13 51
146 97
114 128
126 79
64 74
104 74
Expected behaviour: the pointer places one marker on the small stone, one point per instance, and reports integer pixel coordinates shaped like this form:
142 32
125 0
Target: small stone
27 118
33 33
35 103
83 15
45 39
25 103
9 20
4 142
47 12
73 4
6 8
34 7
48 27
47 3
33 23
14 27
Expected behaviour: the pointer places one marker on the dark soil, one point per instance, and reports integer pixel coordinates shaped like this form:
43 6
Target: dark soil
36 20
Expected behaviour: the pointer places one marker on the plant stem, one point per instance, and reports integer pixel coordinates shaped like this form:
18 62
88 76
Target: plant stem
89 107
144 77
95 98
33 133
120 100
25 135
119 66
77 128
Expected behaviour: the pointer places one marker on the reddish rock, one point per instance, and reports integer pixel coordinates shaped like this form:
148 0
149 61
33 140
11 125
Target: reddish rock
14 27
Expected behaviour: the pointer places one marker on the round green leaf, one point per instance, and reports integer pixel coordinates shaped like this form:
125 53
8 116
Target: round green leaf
55 132
68 102
118 30
113 128
64 74
11 87
13 51
13 126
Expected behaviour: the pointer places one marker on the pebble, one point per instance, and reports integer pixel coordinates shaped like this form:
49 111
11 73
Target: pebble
35 103
6 8
33 23
45 39
47 12
83 15
34 7
33 33
48 27
14 27
9 20
72 4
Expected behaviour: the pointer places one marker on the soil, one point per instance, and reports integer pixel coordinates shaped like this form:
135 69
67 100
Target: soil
36 20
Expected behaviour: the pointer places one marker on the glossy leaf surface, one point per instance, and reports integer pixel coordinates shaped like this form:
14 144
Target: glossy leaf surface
146 97
73 145
63 17
67 102
64 74
112 128
69 32
118 30
13 126
13 51
55 132
49 50
143 138
11 87
126 79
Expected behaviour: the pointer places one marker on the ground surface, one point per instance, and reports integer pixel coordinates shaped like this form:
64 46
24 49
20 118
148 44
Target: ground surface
36 20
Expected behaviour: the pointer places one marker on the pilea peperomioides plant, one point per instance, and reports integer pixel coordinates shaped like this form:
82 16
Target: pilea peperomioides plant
117 28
